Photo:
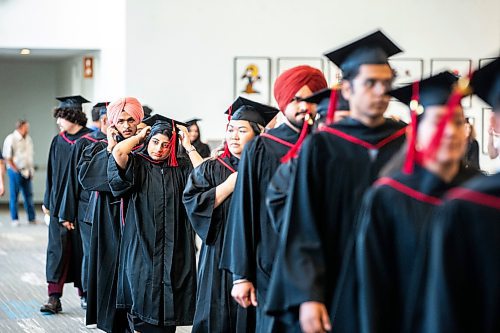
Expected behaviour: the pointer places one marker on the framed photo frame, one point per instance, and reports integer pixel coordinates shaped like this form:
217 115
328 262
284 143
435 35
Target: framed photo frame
333 74
407 70
252 78
459 67
485 120
284 63
484 61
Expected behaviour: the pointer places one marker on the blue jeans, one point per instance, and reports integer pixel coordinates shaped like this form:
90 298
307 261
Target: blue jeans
16 183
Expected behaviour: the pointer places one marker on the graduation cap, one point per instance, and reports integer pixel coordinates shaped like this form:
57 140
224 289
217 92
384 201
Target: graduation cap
486 84
74 102
193 121
374 48
147 111
158 118
434 90
99 110
160 123
322 99
245 109
318 96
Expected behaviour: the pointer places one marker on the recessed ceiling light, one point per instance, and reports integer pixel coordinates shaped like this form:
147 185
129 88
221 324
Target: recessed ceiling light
25 51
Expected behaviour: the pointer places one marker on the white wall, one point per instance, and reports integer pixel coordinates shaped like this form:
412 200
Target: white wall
70 24
180 53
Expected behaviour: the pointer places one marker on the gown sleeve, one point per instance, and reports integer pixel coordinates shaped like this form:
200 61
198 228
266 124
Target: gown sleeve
121 181
376 290
199 200
92 167
68 210
238 252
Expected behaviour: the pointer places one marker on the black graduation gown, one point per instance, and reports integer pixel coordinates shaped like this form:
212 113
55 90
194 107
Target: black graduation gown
104 214
216 311
75 200
202 148
334 168
395 212
463 271
157 269
250 241
277 193
60 150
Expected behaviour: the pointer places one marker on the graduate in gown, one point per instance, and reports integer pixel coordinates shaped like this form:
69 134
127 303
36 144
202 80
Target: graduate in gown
195 136
64 248
463 272
398 208
75 200
250 241
157 270
335 166
207 197
121 118
278 188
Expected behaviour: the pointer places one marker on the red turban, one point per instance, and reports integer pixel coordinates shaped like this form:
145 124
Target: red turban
290 81
128 104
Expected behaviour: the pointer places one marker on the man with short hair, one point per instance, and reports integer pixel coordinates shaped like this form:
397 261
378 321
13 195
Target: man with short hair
336 165
18 153
250 241
64 248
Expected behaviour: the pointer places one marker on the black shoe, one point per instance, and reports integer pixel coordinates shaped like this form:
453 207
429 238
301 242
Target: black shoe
83 302
52 306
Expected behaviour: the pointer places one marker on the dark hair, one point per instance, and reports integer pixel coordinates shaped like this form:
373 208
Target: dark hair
199 133
20 123
255 127
160 127
96 114
75 116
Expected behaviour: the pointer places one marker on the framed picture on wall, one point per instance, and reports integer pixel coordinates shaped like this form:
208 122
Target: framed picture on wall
407 70
459 67
252 78
333 74
285 63
484 61
485 119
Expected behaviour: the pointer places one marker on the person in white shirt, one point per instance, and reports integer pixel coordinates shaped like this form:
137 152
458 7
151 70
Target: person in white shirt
18 155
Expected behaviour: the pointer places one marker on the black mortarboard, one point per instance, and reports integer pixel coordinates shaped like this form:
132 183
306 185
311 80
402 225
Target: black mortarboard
374 48
192 121
147 111
318 96
434 90
486 84
99 110
245 109
150 121
322 99
74 102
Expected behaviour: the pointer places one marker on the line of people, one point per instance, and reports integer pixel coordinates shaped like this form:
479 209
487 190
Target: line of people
338 219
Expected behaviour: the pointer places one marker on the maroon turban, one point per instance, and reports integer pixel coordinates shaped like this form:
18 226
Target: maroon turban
290 81
128 104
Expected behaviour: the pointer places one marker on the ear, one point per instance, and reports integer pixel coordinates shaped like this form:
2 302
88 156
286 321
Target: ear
346 89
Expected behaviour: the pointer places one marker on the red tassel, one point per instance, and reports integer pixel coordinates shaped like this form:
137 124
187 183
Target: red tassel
226 152
293 152
411 153
173 147
332 106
